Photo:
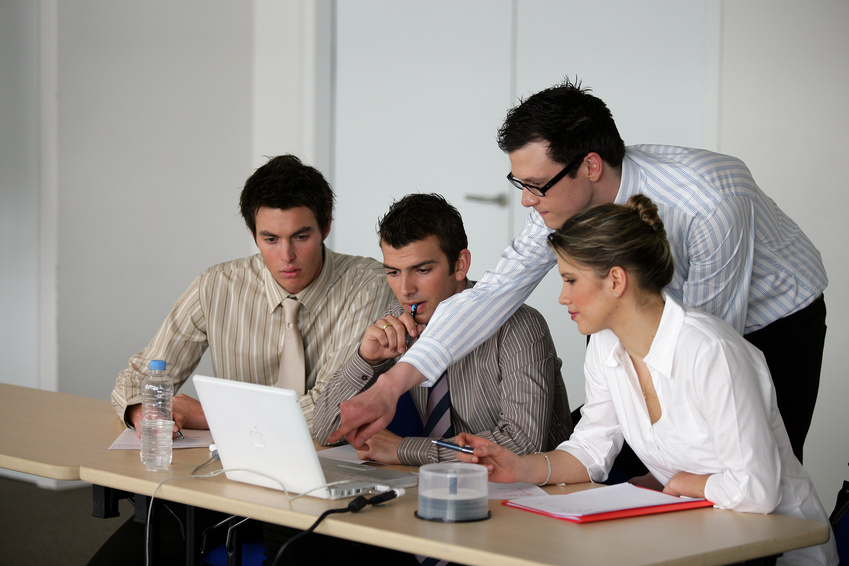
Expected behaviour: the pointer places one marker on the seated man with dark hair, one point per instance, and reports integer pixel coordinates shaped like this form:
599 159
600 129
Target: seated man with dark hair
238 310
244 311
509 389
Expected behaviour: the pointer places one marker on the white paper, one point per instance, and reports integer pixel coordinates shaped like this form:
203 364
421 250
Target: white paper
346 453
128 440
514 490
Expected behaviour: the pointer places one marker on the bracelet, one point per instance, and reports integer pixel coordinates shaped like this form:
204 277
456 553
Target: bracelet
547 461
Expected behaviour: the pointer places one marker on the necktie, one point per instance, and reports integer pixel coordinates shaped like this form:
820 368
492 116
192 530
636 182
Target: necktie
438 413
437 425
291 374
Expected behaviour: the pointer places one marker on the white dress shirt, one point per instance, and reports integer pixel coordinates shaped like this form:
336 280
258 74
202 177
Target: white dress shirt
718 416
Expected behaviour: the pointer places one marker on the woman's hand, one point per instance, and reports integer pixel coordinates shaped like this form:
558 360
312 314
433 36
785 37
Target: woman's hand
503 465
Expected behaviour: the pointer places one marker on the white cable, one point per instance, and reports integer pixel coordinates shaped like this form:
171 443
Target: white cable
219 472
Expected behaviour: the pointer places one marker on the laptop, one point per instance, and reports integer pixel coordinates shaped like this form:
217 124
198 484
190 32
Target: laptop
262 428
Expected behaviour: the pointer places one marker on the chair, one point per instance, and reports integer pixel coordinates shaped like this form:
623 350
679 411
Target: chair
839 520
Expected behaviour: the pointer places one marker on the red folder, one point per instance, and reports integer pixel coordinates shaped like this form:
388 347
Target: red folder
601 504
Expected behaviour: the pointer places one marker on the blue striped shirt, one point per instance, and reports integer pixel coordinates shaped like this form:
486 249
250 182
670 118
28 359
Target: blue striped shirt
737 255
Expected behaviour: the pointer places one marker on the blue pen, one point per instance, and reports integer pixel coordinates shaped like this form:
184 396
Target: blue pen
413 308
444 444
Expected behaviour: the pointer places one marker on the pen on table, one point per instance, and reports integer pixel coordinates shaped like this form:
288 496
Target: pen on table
463 449
179 432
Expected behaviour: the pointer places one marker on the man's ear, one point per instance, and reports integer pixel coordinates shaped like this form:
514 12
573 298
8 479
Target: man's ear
327 230
461 267
595 165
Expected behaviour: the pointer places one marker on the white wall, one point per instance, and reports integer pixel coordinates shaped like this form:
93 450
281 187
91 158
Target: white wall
128 130
153 144
18 191
785 83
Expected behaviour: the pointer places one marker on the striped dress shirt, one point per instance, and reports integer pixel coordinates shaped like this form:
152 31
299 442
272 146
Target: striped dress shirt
509 390
737 255
235 310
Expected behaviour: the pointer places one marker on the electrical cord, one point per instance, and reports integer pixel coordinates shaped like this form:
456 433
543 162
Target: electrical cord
212 458
355 506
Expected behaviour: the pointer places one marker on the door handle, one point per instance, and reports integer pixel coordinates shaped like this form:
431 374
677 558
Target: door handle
501 199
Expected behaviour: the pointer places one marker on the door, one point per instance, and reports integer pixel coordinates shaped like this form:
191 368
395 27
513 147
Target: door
422 88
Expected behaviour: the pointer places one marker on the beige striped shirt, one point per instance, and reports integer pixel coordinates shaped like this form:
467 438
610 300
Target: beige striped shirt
508 389
234 309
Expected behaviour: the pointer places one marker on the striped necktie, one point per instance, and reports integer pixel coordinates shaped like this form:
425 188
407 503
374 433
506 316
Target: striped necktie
437 425
438 413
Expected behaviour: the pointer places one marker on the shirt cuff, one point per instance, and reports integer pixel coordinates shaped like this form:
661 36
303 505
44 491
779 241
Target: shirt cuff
417 451
361 373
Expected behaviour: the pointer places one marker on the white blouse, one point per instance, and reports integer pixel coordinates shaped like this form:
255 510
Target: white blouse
718 416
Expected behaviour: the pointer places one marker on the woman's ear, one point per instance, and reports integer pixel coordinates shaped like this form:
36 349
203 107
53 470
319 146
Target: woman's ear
618 278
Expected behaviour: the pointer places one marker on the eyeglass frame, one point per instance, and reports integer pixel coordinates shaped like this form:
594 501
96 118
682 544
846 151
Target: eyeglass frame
540 191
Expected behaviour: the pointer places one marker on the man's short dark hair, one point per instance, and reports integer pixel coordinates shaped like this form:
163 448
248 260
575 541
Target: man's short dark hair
417 216
284 182
572 121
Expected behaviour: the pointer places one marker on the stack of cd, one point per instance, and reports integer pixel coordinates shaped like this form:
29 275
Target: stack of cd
453 492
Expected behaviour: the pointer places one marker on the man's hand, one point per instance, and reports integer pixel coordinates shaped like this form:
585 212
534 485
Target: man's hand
186 413
382 447
372 410
387 338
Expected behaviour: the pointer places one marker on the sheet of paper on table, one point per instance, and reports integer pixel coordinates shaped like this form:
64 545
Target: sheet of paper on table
514 490
128 440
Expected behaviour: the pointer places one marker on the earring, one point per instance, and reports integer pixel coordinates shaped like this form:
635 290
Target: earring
616 294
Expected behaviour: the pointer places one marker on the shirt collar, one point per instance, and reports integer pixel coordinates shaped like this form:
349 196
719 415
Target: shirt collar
661 354
312 293
629 182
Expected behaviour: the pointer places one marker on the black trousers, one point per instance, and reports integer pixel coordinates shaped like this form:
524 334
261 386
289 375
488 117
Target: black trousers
793 348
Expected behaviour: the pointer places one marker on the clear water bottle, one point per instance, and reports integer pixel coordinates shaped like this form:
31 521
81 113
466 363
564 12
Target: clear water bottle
157 422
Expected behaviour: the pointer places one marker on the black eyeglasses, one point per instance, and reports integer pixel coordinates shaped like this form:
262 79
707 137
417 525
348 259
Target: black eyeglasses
540 191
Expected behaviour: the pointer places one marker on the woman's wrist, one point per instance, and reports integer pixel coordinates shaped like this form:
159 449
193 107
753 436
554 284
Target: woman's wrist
534 468
548 466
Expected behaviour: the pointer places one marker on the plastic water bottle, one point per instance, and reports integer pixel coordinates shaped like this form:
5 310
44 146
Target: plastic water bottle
157 423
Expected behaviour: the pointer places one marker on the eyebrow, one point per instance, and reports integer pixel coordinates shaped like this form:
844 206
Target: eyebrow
301 230
416 266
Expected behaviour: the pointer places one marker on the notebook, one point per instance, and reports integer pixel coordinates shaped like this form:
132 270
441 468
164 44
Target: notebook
262 429
603 503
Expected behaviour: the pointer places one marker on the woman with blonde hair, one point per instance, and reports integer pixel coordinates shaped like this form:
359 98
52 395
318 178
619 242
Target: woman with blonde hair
690 395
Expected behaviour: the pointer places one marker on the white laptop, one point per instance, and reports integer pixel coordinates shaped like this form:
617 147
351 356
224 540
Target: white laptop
262 428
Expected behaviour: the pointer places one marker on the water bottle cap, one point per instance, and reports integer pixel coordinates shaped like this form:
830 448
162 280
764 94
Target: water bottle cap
157 364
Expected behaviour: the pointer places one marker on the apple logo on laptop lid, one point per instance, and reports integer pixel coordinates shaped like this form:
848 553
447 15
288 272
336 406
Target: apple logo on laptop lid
256 436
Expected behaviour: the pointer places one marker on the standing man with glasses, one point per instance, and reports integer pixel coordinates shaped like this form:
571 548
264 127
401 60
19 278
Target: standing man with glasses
737 255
